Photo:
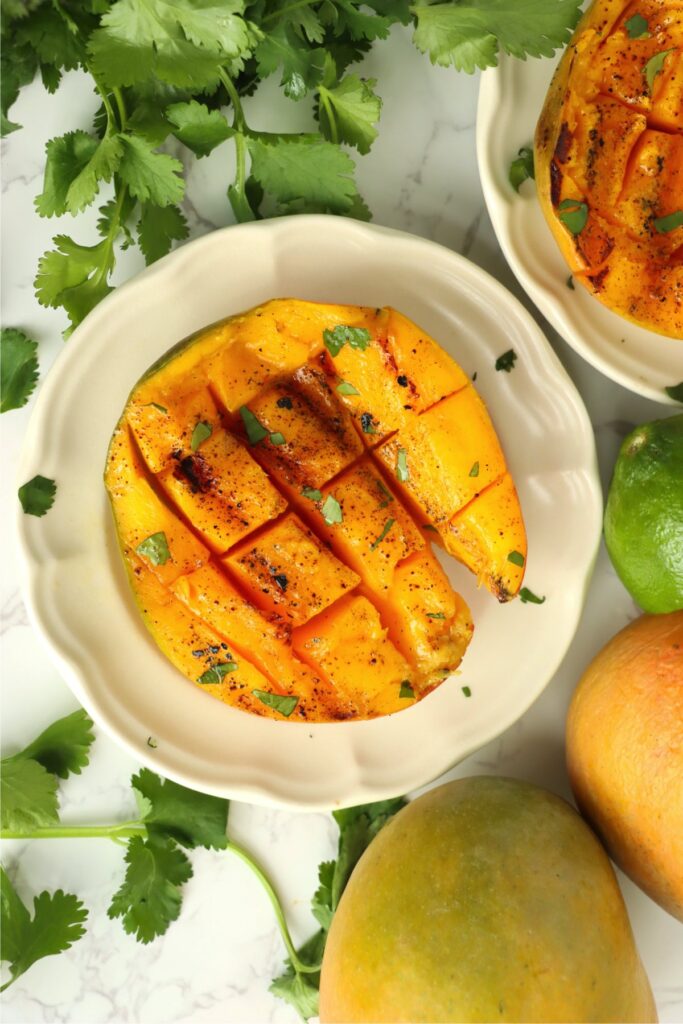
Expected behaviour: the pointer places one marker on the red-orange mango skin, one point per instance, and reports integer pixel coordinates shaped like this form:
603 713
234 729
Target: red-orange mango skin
625 753
486 899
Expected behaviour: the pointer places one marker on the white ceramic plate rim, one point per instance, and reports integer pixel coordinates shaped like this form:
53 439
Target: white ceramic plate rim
357 762
510 100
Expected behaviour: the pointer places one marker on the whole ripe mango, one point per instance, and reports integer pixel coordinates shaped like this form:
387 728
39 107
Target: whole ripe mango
625 753
609 159
486 899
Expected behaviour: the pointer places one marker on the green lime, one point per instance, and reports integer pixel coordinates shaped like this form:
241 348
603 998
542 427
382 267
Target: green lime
644 515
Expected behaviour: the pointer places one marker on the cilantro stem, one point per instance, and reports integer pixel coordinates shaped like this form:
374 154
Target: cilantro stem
239 122
123 114
324 99
111 116
297 964
124 830
114 228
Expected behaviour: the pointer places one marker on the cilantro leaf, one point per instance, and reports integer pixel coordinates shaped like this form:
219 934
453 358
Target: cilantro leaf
76 164
158 228
402 471
355 337
516 557
349 112
74 276
406 692
190 818
332 511
655 66
18 368
302 66
285 704
150 175
217 673
385 530
197 127
56 924
669 223
637 27
312 493
675 391
574 215
321 904
469 34
522 168
527 596
358 826
301 990
255 430
149 898
37 496
62 749
201 433
28 795
507 361
306 168
155 548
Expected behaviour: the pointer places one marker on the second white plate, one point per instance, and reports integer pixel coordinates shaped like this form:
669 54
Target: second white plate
510 101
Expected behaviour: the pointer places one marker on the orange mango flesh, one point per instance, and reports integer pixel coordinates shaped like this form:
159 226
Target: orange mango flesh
301 550
610 139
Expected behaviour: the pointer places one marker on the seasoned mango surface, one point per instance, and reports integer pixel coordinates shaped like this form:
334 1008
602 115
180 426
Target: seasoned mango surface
276 481
609 159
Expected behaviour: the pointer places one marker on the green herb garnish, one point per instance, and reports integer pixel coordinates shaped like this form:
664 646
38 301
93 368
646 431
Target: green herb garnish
200 433
406 692
312 494
522 168
217 672
285 704
155 549
669 223
516 557
18 368
402 471
570 284
527 596
355 337
152 742
475 469
277 438
507 361
387 496
637 27
574 215
332 510
675 392
366 422
466 690
654 66
37 496
385 530
435 615
254 428
344 388
430 527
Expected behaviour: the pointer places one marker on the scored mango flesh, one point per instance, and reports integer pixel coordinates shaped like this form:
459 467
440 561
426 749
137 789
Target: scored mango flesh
276 481
609 159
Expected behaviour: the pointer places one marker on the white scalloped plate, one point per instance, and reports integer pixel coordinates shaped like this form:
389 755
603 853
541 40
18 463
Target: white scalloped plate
510 101
75 582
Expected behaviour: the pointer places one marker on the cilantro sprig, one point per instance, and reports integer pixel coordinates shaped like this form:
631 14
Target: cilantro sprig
171 821
182 69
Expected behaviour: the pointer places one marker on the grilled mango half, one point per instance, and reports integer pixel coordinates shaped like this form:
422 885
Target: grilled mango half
276 481
609 159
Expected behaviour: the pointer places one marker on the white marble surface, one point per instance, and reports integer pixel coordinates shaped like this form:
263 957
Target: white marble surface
214 964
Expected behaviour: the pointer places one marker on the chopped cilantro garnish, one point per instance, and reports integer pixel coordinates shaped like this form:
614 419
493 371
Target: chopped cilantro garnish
332 510
430 527
570 284
574 215
155 549
385 530
37 496
254 428
527 596
152 742
386 495
516 557
355 337
159 408
402 471
675 392
669 223
507 361
637 27
216 673
312 493
344 388
285 704
406 692
522 168
654 66
366 422
466 690
475 469
277 438
200 433
435 615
